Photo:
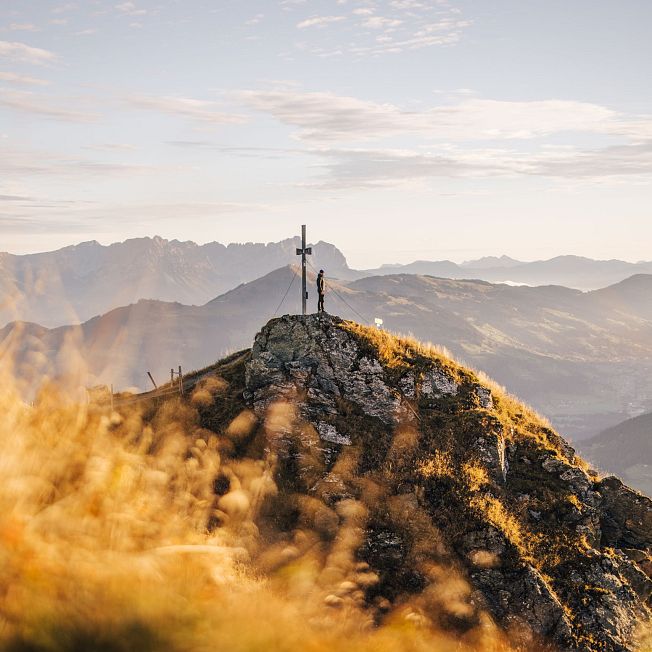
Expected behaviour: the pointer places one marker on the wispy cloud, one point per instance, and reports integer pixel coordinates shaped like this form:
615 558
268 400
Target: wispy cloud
62 9
27 102
13 198
23 27
201 110
23 53
326 117
111 147
320 21
380 22
367 168
375 28
14 78
19 163
54 216
130 9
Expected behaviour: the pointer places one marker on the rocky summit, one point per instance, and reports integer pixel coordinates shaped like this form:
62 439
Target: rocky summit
424 483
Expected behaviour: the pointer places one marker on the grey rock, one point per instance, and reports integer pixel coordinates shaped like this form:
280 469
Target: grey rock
313 354
436 383
329 433
334 380
626 516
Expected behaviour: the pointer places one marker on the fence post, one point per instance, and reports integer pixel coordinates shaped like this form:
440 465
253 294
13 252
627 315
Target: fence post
180 381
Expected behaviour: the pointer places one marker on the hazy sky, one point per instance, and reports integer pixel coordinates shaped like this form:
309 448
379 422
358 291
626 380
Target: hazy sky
396 129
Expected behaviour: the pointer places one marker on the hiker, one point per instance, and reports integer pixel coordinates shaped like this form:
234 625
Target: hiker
320 291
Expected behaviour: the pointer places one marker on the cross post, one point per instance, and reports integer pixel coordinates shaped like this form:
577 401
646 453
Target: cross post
303 252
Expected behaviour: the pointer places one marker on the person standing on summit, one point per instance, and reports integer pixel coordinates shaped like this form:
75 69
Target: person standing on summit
320 291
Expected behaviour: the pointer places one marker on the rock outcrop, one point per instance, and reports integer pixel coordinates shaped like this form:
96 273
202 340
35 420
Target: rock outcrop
454 497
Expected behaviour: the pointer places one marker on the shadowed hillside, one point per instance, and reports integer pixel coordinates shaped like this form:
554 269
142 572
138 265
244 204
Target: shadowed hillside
626 450
585 359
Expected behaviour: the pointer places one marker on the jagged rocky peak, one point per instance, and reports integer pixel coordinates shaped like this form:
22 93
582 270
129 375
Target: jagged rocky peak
468 505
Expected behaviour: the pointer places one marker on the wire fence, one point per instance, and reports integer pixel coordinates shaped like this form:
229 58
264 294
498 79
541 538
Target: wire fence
340 297
294 276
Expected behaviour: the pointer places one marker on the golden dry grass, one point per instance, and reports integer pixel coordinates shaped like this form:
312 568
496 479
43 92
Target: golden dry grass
518 419
104 543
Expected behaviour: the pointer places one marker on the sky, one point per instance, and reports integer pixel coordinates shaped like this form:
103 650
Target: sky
396 129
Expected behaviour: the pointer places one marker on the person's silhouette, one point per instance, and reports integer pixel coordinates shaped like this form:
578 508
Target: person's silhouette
320 291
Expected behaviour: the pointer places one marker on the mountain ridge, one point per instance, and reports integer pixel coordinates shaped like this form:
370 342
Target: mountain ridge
571 354
72 284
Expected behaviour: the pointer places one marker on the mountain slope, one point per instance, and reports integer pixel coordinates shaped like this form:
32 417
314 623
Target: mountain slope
420 485
626 450
75 283
569 271
582 359
71 285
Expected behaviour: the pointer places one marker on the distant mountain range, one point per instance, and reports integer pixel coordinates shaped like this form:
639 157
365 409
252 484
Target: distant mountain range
75 283
583 359
569 271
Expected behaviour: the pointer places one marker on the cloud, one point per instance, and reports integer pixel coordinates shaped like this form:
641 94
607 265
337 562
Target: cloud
130 9
61 9
271 153
613 161
349 168
413 25
441 33
18 163
25 53
406 4
22 224
325 117
111 147
14 78
201 110
320 21
379 22
26 102
364 168
23 27
47 216
14 198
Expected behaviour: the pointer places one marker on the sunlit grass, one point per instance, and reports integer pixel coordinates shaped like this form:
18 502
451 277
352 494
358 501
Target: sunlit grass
112 538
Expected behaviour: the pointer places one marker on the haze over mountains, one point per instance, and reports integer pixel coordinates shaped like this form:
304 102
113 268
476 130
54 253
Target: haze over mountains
626 450
75 283
582 359
570 271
